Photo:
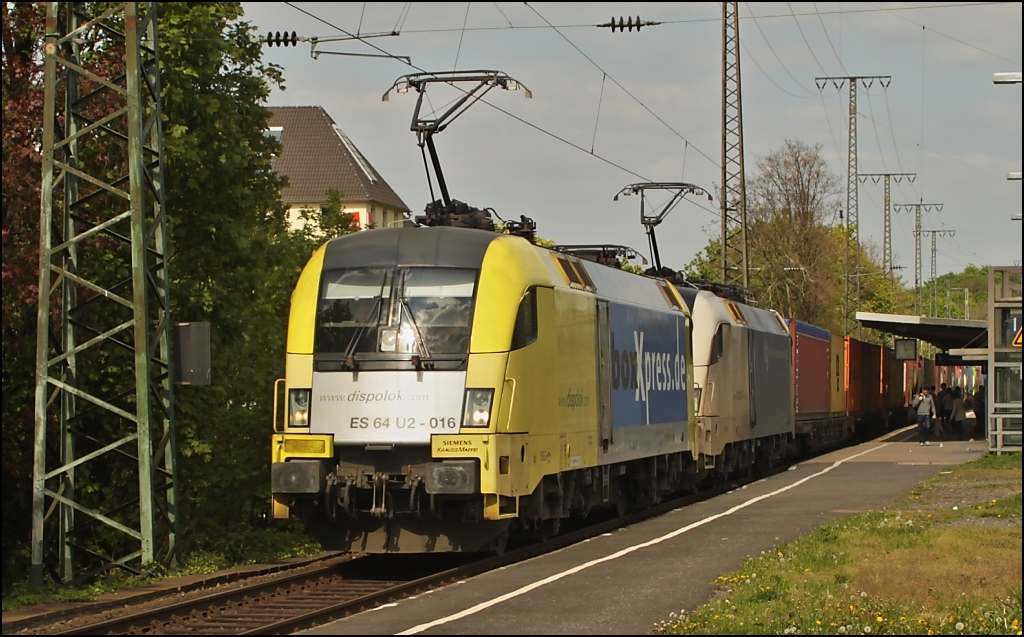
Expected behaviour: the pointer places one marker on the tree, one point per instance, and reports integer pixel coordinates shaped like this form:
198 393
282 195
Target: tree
232 261
328 222
21 134
796 255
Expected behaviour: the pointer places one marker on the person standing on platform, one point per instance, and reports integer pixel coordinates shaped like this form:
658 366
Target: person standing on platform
980 422
957 415
947 404
943 403
925 406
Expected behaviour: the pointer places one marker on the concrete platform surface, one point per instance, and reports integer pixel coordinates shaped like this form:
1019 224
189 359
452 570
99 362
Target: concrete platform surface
625 582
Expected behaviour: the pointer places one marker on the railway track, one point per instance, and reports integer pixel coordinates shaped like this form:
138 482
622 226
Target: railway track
287 602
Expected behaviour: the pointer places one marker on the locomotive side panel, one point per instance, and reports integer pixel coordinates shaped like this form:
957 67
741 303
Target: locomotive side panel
649 383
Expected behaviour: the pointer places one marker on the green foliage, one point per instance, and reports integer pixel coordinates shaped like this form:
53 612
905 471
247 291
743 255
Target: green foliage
318 226
919 566
795 251
232 263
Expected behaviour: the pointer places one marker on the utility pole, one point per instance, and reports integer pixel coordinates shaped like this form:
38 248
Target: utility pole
103 398
917 207
852 299
735 267
935 233
887 236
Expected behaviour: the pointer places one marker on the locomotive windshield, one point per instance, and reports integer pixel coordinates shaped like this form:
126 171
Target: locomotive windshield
422 311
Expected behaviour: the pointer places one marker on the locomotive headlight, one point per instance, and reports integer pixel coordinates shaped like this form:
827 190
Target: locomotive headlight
388 340
478 408
298 407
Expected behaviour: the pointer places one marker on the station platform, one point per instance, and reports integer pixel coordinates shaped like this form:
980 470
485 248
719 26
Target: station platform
625 582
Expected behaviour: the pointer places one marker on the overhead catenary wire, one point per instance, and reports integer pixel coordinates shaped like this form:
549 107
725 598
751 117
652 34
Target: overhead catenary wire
624 89
602 115
503 111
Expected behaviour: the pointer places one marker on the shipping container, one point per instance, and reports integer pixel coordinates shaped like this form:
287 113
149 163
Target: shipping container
811 370
837 374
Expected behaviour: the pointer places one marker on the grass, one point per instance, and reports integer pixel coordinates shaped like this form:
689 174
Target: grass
243 547
944 560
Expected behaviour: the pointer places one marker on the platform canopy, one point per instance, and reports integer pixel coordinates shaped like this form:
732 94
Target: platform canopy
943 333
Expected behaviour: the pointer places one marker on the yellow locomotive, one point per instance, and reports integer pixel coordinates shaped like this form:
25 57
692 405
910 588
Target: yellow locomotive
447 386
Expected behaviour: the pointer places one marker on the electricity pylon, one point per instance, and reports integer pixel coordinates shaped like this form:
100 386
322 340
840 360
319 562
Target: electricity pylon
852 298
917 208
887 265
735 267
103 400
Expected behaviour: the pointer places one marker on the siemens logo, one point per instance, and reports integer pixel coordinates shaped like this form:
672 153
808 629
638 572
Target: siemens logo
645 371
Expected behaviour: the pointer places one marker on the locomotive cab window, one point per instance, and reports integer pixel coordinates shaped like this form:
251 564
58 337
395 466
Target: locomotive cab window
424 311
351 305
525 331
439 302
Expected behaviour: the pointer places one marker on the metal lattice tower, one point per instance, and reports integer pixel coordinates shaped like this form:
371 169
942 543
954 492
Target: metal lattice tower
887 264
735 267
103 400
852 299
917 208
935 233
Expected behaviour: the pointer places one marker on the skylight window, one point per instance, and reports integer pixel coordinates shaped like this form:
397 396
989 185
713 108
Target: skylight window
372 176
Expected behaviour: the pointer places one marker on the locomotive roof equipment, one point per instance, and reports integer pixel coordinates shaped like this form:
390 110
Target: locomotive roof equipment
649 221
604 254
426 127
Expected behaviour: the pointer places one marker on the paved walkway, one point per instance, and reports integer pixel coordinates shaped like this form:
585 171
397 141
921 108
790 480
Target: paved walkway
625 582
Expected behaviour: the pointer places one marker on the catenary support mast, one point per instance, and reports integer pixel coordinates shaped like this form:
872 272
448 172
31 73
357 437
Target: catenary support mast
735 267
103 401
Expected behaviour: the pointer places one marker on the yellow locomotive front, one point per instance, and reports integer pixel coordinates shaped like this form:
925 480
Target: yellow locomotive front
446 387
398 342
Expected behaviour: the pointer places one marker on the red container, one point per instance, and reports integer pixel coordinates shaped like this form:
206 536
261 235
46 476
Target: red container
812 372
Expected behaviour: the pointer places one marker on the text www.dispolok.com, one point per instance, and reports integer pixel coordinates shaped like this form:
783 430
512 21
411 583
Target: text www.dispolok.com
374 397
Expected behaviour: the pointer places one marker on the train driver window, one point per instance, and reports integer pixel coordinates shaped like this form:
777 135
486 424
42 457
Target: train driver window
351 302
525 331
440 301
717 345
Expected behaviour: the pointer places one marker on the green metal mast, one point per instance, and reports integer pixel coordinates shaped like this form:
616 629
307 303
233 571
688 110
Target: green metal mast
104 469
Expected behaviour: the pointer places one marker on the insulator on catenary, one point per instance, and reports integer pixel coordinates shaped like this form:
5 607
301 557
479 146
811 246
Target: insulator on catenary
277 38
623 23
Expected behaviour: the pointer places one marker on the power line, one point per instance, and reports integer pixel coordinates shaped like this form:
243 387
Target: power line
820 67
946 35
516 117
828 37
625 90
772 49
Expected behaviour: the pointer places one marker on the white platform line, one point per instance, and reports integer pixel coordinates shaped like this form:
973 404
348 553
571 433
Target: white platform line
626 551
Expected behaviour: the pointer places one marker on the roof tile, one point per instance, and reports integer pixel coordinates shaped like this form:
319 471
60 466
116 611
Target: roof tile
317 156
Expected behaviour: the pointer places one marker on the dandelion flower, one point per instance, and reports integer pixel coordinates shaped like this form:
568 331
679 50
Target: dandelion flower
880 619
959 625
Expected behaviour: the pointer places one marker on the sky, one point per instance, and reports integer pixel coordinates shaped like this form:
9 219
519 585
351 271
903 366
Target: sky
611 109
